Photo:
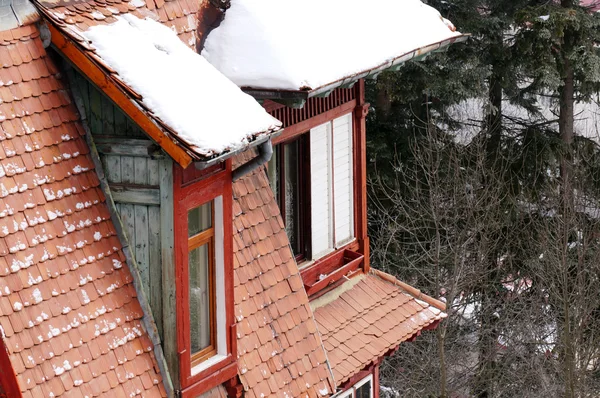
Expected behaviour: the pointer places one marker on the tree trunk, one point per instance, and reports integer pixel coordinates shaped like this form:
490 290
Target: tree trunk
441 336
488 336
565 126
494 115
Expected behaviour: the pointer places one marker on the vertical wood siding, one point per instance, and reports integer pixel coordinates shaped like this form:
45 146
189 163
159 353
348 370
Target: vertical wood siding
142 221
104 118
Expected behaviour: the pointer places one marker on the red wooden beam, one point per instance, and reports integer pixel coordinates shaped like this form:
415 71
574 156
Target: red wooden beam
360 172
9 387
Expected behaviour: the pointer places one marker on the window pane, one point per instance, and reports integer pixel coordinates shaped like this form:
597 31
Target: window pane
200 296
199 219
364 391
292 194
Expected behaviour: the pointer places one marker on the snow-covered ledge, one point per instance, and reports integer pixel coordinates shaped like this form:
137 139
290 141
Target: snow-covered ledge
315 46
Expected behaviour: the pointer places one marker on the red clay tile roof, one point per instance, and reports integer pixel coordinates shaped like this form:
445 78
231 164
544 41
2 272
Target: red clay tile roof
279 348
70 318
372 318
73 15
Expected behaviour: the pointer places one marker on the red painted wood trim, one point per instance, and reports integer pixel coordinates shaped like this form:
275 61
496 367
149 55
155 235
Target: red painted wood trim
214 379
304 126
312 273
376 381
185 197
357 377
9 386
360 172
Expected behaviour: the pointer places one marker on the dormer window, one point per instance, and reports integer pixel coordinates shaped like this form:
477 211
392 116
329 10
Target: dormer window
204 273
332 215
290 180
202 293
312 178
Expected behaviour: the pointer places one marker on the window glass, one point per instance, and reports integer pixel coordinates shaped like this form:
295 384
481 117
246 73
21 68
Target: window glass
289 183
292 194
364 391
199 219
201 282
200 298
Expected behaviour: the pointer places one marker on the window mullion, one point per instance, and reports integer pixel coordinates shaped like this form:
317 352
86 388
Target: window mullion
201 239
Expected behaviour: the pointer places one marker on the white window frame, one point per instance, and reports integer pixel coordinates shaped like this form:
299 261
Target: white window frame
351 392
361 383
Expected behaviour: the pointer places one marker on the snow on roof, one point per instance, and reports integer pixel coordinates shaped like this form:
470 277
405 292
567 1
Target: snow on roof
203 107
307 44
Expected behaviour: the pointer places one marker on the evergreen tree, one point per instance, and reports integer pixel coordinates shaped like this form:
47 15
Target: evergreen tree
521 53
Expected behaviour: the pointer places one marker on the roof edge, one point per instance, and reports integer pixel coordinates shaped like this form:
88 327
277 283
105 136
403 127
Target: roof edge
413 291
349 81
115 91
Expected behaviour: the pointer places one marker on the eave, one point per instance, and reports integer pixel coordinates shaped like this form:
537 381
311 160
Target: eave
294 97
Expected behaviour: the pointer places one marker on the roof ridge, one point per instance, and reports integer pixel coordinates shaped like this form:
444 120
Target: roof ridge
413 291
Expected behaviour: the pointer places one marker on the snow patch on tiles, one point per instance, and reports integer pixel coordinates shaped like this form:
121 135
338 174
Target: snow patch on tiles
179 86
259 45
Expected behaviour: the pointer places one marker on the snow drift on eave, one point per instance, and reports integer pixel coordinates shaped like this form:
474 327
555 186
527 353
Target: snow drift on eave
307 44
205 109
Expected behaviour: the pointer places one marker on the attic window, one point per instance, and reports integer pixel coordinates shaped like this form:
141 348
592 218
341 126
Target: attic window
204 273
312 179
362 389
202 297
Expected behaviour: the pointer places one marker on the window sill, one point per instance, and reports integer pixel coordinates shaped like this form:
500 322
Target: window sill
331 269
212 361
351 244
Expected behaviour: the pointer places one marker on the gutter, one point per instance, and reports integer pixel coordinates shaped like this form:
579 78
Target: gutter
203 164
265 152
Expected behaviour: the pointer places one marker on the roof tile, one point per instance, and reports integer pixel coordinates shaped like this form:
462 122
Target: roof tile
277 336
57 243
365 322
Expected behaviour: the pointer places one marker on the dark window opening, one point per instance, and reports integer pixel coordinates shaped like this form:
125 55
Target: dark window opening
289 178
364 391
